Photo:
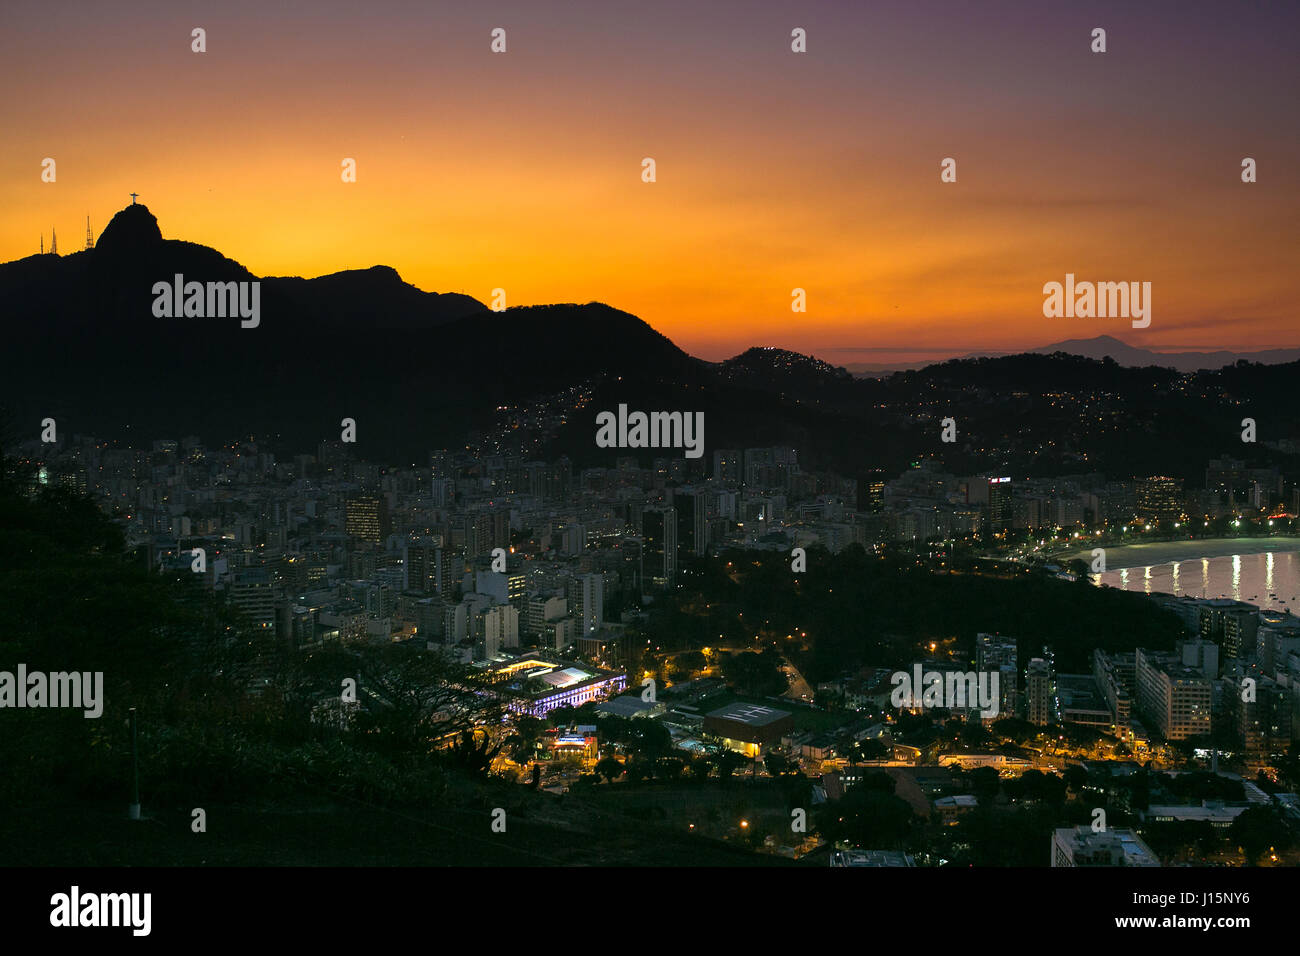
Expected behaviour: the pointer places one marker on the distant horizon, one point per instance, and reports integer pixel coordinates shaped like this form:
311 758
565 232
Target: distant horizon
905 356
413 386
776 169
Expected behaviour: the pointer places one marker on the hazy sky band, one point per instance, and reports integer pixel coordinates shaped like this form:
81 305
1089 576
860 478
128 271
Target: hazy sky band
775 170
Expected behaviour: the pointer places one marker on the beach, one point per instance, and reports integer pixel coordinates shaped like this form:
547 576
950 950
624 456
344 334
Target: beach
1150 554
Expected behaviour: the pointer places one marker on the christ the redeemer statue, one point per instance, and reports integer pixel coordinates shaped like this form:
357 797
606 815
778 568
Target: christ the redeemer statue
133 195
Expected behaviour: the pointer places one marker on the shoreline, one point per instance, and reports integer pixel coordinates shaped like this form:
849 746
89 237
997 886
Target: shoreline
1156 553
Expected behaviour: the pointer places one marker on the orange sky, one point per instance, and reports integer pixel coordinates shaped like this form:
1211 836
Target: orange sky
775 170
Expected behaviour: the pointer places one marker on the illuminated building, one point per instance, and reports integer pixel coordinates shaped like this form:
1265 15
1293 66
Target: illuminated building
1000 515
1175 696
535 685
1039 692
996 653
1233 625
871 492
579 742
431 570
1115 677
1160 499
748 728
367 519
587 595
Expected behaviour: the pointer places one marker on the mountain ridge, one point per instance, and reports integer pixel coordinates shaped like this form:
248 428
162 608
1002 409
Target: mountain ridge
1101 347
420 370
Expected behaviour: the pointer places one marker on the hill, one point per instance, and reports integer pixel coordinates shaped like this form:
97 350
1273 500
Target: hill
420 370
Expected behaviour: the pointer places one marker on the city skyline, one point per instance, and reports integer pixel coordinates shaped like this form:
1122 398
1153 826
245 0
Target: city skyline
670 437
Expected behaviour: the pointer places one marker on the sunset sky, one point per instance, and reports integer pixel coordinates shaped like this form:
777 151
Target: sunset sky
522 170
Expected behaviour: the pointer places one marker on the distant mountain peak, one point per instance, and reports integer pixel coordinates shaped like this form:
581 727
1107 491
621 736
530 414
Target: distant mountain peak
1107 346
132 228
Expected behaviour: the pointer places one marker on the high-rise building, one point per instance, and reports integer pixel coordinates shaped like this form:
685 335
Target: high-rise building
367 518
658 548
1116 684
485 530
871 491
455 623
692 522
994 653
557 635
726 465
1000 504
1278 637
1040 694
1232 485
1175 696
1160 499
504 587
539 610
429 619
571 538
629 571
430 569
994 650
1233 625
500 629
1262 720
253 593
587 596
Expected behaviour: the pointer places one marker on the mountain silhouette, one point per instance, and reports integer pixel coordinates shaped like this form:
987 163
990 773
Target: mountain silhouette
132 231
1107 346
1104 346
421 370
420 367
766 367
98 291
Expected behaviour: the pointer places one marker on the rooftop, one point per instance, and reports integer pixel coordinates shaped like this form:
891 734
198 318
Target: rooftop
753 715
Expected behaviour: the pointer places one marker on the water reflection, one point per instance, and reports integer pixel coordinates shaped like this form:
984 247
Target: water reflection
1245 577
